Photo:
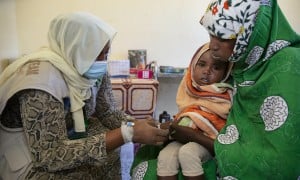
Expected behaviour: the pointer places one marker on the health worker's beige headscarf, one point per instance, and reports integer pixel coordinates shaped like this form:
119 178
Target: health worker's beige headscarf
75 41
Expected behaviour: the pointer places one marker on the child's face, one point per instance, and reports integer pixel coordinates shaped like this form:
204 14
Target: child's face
208 71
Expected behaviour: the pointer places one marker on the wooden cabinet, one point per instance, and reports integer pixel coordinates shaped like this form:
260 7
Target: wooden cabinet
137 97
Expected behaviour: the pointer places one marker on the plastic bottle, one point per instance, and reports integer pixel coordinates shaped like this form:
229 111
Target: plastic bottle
164 117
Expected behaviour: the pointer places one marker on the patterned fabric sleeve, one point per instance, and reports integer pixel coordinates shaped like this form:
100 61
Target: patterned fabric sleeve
45 129
106 108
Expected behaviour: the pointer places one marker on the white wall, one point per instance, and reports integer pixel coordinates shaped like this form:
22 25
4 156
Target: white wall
8 32
168 29
292 12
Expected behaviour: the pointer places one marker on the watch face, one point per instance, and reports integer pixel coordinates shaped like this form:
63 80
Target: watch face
129 123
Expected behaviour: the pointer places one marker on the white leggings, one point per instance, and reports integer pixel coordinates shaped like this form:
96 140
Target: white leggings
189 156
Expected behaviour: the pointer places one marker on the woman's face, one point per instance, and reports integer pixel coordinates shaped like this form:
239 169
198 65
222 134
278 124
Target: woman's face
221 49
104 53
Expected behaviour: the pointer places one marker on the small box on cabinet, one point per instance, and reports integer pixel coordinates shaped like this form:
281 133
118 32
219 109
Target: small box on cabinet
144 74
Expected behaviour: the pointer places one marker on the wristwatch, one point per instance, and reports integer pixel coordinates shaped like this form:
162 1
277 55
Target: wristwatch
130 123
127 131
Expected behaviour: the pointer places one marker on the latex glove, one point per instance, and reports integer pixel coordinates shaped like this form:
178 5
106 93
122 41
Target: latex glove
146 132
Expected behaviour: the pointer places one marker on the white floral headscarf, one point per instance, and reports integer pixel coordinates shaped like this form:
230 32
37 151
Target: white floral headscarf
225 22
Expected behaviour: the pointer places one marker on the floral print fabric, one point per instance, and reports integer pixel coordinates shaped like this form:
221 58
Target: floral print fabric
260 139
229 19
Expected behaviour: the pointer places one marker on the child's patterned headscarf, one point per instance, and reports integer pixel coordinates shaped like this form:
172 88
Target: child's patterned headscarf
225 22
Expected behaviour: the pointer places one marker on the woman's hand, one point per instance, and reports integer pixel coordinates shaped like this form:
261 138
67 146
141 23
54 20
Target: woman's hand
146 132
165 125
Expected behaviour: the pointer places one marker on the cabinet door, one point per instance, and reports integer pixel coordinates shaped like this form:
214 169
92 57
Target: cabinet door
142 99
120 95
136 97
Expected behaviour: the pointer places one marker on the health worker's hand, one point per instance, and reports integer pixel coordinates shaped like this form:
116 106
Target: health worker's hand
146 132
165 125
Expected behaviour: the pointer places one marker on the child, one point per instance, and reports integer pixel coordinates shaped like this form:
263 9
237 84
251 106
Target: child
204 101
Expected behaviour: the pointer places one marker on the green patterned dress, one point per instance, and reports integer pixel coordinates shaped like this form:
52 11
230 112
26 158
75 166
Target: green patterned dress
261 138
